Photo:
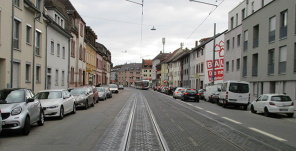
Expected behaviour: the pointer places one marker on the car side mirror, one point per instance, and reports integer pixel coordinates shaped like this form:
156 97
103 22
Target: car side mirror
31 100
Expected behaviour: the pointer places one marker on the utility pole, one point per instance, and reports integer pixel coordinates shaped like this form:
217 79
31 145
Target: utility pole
213 64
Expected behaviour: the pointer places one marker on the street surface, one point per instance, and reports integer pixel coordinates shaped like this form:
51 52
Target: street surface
149 120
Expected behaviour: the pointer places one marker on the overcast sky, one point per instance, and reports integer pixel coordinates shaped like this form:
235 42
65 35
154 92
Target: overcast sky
117 24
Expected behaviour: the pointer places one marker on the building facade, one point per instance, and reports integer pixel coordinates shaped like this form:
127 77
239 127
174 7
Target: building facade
91 56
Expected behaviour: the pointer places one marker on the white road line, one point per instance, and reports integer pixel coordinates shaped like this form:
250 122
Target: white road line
231 120
267 134
212 112
199 107
292 120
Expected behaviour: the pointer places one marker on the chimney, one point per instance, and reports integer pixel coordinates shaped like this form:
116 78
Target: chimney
196 43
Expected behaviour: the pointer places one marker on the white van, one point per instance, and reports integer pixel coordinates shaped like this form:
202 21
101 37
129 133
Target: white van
210 90
236 93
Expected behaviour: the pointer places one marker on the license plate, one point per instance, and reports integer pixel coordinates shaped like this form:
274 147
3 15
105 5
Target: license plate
283 109
3 122
191 97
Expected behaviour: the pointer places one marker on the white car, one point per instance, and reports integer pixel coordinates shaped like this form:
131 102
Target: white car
56 103
273 103
113 88
177 93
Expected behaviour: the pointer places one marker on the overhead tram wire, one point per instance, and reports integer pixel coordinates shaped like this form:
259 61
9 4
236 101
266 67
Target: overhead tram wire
204 20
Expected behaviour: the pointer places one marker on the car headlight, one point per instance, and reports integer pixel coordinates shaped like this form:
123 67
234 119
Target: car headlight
53 107
16 111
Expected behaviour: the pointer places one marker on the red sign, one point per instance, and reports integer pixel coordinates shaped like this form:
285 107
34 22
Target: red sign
219 63
218 73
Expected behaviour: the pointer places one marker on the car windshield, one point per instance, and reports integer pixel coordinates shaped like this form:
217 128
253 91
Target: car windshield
281 98
100 89
239 88
11 96
113 86
77 91
49 95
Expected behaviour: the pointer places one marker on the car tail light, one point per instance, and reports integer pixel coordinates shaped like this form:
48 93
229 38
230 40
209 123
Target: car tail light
226 97
185 93
197 93
292 104
176 92
271 103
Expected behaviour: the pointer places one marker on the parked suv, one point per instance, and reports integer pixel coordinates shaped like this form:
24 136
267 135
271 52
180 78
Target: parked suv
19 110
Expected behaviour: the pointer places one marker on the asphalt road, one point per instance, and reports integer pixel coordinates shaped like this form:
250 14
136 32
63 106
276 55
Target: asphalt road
148 120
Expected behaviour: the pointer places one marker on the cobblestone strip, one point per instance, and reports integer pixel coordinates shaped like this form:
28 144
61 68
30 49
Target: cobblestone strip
114 137
143 135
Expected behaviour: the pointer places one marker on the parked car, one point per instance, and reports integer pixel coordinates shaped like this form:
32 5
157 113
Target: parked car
216 97
235 93
121 87
0 122
273 103
56 103
170 90
210 90
201 94
108 92
102 93
20 110
113 88
177 93
83 97
93 91
190 94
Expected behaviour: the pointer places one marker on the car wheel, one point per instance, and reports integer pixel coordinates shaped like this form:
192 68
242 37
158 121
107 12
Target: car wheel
41 119
218 102
27 126
86 105
61 112
197 100
290 114
74 109
253 110
266 112
93 103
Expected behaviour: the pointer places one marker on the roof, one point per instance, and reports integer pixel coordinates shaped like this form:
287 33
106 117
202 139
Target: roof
131 67
161 56
147 63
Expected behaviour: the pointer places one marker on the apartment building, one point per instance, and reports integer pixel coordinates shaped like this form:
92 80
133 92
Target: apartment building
269 52
58 50
147 70
156 68
90 56
129 73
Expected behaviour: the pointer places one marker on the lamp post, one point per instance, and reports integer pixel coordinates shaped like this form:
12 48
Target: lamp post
163 42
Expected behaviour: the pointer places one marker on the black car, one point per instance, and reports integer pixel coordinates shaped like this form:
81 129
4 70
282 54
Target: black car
190 94
170 90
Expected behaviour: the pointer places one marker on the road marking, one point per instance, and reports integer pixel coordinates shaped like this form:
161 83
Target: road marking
212 112
193 141
199 107
292 120
189 104
267 134
172 120
231 120
181 129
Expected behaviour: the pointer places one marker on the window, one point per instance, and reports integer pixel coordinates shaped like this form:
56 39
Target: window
227 66
38 4
236 20
255 36
227 44
202 67
28 34
38 72
81 29
245 40
28 71
56 18
17 3
245 64
233 39
72 76
63 77
283 24
238 64
57 77
64 52
238 40
52 47
255 65
231 23
232 65
262 3
295 57
73 48
38 43
272 24
58 50
80 53
16 34
252 5
283 60
271 62
243 14
62 23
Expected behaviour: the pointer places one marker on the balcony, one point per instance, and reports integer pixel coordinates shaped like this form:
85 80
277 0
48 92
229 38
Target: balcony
271 69
245 45
283 32
255 71
271 37
282 67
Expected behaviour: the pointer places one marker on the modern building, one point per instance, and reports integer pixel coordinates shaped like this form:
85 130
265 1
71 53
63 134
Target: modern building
269 54
58 42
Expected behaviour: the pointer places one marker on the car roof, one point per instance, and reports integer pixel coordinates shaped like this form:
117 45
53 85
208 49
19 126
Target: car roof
51 90
275 94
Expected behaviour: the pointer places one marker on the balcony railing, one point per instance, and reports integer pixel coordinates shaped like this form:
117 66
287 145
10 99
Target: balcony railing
282 67
244 72
283 31
271 36
255 71
270 69
245 45
255 42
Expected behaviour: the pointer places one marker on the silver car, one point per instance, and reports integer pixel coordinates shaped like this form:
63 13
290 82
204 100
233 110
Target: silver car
102 95
108 92
178 92
84 97
20 110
